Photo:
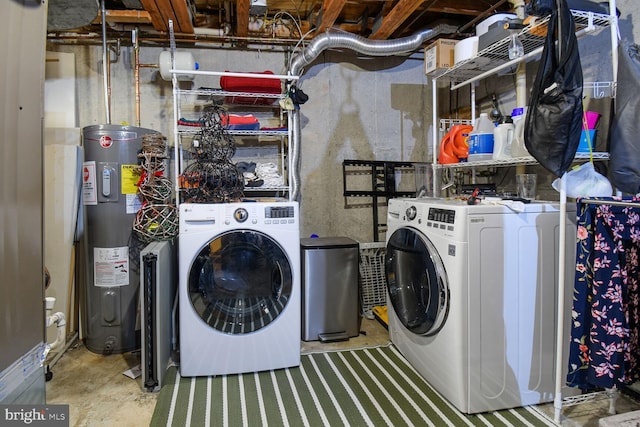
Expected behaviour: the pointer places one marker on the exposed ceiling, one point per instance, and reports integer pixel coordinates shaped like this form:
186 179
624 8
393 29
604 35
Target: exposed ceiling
263 21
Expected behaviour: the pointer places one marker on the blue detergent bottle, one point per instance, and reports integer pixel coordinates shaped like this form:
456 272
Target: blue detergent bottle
481 139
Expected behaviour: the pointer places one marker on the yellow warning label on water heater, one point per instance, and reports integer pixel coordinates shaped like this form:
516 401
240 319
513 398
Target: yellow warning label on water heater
129 177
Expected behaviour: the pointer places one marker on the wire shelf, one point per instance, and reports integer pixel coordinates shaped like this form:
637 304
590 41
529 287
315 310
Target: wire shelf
496 56
528 160
185 130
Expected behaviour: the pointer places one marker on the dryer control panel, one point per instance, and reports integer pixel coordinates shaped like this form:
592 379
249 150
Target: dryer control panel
441 219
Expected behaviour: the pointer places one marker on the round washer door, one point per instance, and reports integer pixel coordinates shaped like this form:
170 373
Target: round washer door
240 281
417 282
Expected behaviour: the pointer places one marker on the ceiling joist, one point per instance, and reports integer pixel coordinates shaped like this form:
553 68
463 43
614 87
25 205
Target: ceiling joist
395 18
330 11
234 19
162 11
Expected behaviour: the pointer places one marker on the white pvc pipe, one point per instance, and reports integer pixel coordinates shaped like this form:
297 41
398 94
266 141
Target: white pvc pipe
58 319
218 32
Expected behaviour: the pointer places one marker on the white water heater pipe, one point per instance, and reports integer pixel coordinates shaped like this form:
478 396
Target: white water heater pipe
58 319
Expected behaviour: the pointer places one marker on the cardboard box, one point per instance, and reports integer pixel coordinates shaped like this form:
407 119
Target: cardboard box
439 56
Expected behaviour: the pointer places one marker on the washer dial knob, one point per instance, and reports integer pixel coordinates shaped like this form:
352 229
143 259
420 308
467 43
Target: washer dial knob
241 215
411 213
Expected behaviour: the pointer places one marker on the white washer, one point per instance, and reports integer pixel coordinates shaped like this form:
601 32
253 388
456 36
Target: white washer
472 298
239 292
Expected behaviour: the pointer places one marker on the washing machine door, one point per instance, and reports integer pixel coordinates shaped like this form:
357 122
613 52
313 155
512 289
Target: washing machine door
240 281
416 281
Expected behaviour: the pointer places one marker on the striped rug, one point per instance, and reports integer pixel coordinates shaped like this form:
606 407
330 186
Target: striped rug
365 387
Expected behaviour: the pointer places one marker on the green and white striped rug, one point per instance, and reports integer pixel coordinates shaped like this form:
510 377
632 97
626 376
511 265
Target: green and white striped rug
365 387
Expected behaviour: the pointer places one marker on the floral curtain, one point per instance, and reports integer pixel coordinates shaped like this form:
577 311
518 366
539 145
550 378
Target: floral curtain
605 318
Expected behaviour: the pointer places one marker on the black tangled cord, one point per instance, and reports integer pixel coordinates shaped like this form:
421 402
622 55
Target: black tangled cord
212 178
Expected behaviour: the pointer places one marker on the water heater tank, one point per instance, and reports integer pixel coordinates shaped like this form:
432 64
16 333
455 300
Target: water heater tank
111 202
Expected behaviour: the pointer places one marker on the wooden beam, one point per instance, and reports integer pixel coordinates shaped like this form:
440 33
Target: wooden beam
161 11
124 17
395 18
183 16
242 18
157 20
166 10
330 11
467 7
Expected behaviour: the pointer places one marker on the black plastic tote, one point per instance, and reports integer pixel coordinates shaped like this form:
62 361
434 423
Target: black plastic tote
554 118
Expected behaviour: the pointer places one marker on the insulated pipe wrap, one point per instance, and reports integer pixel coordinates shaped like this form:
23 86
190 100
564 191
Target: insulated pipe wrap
334 40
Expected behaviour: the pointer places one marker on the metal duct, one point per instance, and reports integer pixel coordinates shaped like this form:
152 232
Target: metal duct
332 40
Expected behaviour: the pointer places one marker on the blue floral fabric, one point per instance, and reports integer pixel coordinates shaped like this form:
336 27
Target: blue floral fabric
605 318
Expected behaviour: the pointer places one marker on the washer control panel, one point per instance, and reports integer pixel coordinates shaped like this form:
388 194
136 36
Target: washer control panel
279 212
240 215
279 215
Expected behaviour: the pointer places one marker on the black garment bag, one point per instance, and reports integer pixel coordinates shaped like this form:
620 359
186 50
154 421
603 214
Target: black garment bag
624 138
554 118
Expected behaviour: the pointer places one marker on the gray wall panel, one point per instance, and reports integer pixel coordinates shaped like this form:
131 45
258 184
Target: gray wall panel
22 41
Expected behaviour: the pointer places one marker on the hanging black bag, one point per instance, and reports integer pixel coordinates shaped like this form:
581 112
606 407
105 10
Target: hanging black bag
624 150
554 118
539 7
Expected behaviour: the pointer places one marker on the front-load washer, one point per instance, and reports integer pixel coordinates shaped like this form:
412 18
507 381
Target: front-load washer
472 297
239 288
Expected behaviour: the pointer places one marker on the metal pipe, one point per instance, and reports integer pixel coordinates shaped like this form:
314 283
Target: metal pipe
333 40
136 56
109 97
105 64
200 41
435 191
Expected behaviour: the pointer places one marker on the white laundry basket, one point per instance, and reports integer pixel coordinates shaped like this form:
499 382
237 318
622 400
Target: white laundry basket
373 289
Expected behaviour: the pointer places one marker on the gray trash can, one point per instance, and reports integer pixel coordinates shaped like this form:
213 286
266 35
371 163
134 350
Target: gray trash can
330 310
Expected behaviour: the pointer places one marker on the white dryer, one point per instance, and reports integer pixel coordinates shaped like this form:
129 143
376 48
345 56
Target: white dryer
472 298
239 290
